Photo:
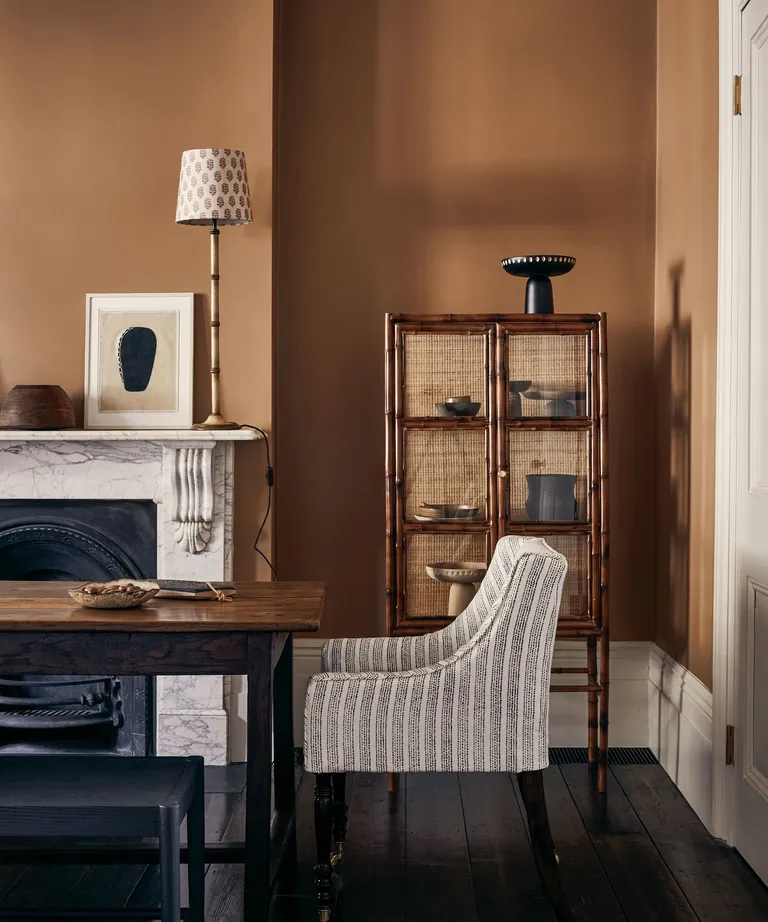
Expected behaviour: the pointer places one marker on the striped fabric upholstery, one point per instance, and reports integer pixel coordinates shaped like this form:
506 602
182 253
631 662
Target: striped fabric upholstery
394 654
477 699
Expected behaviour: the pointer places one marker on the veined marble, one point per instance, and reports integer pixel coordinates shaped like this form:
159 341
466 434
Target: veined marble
189 475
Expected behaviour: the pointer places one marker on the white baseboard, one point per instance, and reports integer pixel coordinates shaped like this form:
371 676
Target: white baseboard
568 712
680 726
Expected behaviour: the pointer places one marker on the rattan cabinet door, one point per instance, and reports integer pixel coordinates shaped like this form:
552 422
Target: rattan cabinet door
547 476
547 375
441 363
445 473
423 602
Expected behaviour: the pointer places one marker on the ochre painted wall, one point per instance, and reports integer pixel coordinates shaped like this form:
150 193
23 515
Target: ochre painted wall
686 328
97 102
419 143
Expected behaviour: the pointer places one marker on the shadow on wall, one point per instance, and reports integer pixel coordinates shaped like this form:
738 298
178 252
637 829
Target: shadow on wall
674 490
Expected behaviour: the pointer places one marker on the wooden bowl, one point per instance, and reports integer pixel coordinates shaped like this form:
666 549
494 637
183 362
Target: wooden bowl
119 597
37 406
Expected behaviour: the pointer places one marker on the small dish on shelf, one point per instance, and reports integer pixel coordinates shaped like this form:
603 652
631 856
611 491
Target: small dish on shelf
457 409
446 512
115 594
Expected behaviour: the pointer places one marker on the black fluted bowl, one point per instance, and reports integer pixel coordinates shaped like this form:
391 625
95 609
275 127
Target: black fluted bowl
529 266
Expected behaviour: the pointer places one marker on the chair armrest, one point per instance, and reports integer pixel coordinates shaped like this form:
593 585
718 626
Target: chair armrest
374 654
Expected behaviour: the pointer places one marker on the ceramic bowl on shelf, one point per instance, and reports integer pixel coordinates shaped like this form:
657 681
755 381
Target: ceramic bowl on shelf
115 594
459 572
446 512
457 409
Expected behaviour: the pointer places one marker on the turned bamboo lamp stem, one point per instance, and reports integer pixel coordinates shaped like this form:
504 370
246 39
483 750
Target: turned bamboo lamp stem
213 190
215 420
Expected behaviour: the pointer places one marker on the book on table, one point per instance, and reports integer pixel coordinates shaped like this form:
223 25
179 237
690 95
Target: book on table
193 589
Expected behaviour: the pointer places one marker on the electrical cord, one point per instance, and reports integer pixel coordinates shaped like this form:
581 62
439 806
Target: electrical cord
270 483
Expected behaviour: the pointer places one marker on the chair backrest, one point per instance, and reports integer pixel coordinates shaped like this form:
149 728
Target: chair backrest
439 645
496 580
504 668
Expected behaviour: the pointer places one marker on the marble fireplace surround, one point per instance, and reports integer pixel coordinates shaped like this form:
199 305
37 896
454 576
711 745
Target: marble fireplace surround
189 475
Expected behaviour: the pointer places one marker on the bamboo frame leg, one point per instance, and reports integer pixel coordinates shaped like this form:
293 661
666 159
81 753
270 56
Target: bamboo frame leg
532 789
602 768
592 700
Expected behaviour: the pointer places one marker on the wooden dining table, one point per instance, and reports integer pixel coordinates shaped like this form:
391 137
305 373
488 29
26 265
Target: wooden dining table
44 632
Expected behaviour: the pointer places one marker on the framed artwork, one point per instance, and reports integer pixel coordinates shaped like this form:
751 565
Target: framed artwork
138 361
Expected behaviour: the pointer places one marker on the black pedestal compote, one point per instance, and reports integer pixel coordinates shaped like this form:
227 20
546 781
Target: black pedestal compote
538 270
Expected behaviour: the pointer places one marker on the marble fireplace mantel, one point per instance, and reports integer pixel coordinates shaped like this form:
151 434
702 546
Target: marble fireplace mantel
189 475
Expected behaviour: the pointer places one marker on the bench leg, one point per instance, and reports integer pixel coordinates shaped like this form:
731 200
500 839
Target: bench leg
170 869
196 852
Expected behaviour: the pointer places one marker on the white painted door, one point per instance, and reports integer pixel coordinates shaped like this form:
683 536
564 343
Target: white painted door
750 828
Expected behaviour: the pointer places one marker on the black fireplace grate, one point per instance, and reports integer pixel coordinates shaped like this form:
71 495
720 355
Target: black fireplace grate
98 705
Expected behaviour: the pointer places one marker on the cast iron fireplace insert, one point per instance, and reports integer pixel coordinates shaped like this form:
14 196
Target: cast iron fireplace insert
77 540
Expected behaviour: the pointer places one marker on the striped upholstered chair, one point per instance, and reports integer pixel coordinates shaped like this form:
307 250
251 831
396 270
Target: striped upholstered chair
472 697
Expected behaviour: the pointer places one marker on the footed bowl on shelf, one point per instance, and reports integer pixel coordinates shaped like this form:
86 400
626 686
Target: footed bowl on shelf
462 576
457 572
538 270
115 594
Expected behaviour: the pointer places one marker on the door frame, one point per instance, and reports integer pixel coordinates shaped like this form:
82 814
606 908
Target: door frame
730 306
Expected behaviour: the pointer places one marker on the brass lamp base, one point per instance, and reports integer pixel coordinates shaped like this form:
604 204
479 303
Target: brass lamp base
216 421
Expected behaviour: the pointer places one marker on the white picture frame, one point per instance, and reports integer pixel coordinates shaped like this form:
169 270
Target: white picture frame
138 375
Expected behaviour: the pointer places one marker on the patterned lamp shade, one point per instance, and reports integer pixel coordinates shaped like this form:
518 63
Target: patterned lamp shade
213 185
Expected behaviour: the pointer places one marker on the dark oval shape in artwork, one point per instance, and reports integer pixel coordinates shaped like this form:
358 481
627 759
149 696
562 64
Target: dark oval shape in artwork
136 350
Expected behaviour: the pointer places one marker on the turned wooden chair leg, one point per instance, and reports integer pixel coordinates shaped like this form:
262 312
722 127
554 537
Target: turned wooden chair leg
532 789
324 840
339 817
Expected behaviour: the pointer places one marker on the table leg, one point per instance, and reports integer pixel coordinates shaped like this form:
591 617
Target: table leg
285 772
258 778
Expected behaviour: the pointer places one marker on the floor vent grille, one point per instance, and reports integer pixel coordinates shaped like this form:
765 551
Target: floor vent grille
629 755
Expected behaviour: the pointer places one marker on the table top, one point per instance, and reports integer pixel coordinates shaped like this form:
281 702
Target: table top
257 607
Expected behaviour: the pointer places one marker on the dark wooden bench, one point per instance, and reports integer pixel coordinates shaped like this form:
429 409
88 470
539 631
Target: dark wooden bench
111 796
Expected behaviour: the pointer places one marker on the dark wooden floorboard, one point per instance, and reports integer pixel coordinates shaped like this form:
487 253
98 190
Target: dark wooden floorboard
44 887
642 882
586 884
703 867
373 872
503 871
438 879
225 883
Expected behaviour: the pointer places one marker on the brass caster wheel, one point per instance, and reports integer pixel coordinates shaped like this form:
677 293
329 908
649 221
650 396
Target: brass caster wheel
325 915
338 856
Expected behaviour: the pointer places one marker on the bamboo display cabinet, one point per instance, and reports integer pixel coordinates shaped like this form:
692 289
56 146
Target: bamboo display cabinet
523 451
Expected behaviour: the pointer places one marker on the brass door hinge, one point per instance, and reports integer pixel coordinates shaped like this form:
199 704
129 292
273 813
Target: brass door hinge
730 732
737 94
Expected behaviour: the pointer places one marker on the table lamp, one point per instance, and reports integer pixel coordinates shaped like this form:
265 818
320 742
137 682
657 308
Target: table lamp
213 191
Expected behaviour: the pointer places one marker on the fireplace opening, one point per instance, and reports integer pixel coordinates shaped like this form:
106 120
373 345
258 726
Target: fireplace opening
77 540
